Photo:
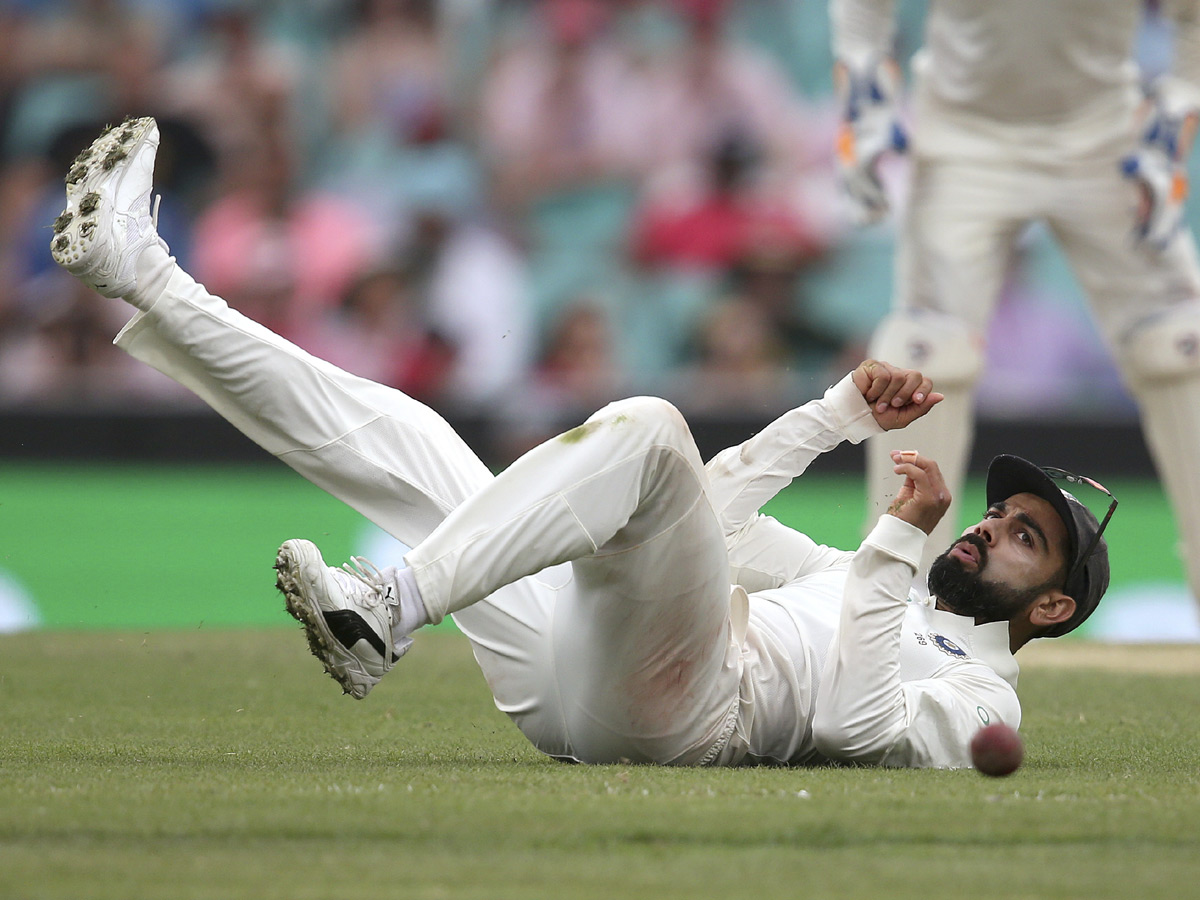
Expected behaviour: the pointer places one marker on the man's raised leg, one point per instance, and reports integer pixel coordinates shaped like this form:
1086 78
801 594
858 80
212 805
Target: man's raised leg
376 449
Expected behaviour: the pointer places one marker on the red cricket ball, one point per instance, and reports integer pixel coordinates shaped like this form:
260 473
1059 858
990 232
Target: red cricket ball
997 750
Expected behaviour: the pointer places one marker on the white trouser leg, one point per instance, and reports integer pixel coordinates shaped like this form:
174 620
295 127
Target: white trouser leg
951 256
384 454
1171 424
1148 310
646 662
944 349
1161 360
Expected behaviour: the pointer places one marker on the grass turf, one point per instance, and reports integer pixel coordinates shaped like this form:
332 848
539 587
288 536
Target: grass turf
181 547
223 763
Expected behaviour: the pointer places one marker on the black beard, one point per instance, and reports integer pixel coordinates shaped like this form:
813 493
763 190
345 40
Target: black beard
966 593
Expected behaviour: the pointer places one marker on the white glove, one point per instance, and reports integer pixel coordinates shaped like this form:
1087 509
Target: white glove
869 128
1159 170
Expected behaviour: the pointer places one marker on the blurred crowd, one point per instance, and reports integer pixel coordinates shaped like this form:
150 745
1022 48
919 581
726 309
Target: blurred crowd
517 207
539 204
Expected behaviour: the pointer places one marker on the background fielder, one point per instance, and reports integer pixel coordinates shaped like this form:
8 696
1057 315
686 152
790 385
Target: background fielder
1026 111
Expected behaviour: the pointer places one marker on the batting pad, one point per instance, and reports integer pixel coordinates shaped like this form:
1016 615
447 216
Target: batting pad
1161 359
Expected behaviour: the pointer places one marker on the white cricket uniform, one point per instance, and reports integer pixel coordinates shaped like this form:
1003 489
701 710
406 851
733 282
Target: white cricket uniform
662 618
1021 112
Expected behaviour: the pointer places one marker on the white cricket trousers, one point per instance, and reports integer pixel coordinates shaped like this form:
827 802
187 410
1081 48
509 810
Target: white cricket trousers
964 218
591 577
954 250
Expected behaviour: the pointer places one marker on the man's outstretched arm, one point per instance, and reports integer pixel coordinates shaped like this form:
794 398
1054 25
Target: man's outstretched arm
864 712
875 397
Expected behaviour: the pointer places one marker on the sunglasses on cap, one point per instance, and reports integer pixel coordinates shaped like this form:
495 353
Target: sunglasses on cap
1071 478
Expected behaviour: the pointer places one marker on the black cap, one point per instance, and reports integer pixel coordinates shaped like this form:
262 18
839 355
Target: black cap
1086 583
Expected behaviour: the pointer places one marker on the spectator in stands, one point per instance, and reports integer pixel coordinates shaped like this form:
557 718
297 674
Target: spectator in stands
394 139
692 238
60 354
769 276
578 370
281 254
475 291
563 133
390 72
713 221
66 70
714 88
739 363
560 107
379 331
235 78
70 63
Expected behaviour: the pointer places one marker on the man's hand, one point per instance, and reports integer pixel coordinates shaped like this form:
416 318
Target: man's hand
1159 170
923 498
869 128
896 396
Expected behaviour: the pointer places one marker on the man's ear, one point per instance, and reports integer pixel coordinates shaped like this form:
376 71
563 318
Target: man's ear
1051 608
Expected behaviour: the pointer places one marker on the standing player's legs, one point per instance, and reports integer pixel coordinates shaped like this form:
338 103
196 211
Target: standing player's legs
647 656
952 252
1148 309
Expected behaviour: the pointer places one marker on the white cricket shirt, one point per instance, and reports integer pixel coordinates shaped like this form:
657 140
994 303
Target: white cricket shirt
842 659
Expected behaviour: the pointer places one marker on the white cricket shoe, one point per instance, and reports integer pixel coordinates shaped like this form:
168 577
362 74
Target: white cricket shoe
108 220
346 613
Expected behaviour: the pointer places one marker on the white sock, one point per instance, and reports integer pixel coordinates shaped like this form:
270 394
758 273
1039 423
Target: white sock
410 613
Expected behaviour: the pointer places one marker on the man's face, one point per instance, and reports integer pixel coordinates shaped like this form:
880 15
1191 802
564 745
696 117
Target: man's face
1000 566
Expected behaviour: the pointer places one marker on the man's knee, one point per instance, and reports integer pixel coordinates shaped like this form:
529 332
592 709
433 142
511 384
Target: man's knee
941 346
652 417
1163 349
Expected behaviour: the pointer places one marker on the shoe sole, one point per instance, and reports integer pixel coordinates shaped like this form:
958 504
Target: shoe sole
321 642
75 229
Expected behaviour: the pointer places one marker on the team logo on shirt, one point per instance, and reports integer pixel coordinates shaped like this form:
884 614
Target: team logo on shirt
947 646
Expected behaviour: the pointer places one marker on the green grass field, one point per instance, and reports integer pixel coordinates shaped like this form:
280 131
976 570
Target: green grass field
210 763
167 736
188 547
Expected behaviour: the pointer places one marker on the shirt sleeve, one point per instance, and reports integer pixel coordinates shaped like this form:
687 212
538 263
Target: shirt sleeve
864 712
763 552
863 30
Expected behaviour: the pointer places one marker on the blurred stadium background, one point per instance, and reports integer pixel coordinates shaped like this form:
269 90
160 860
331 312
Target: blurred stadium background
516 211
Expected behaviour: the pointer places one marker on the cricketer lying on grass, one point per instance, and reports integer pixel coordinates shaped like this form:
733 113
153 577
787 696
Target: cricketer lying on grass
623 600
